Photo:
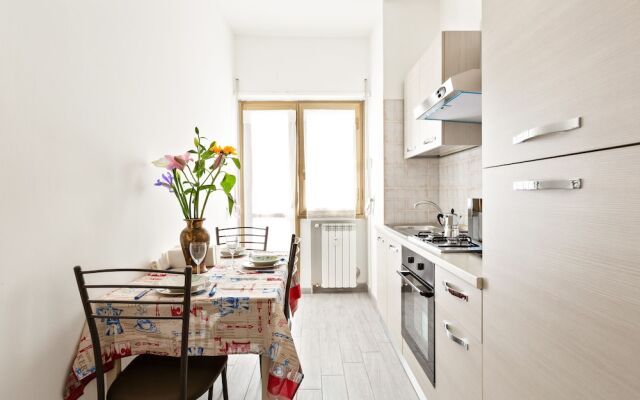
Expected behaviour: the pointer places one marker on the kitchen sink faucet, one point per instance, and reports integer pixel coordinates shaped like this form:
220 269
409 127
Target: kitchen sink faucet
432 204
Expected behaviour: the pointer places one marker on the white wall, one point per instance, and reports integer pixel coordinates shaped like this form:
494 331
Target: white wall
460 15
90 92
270 67
409 28
374 143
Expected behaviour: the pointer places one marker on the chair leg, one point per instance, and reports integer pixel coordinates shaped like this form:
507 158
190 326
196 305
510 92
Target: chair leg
225 394
211 393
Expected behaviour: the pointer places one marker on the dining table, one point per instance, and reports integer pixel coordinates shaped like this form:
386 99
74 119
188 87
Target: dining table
241 311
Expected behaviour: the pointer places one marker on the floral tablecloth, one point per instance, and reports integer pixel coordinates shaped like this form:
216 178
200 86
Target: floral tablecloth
245 315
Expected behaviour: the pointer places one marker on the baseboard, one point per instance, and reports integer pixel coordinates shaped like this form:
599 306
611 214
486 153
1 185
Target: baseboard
361 287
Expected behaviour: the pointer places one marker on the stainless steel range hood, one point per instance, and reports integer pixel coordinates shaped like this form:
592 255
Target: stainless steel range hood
459 99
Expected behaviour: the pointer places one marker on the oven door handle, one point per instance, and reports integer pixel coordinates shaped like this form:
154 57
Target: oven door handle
425 291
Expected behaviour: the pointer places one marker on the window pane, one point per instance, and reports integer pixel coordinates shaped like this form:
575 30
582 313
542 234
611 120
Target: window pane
269 171
331 184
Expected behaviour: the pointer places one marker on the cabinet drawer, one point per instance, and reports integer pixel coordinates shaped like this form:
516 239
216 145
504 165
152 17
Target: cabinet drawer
461 300
546 62
458 360
561 306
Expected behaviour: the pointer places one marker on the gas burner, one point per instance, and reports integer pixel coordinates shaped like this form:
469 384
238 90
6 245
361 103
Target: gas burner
441 243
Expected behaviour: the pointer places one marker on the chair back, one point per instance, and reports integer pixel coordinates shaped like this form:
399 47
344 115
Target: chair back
91 315
294 252
249 237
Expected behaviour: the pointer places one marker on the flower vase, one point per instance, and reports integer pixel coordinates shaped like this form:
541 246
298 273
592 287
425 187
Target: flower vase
194 232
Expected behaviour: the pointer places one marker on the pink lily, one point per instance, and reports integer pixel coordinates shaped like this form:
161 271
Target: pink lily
173 162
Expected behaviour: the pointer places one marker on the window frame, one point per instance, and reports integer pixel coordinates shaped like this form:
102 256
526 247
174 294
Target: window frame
299 107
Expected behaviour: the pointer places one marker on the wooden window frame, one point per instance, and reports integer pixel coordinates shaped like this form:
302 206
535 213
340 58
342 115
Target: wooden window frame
299 107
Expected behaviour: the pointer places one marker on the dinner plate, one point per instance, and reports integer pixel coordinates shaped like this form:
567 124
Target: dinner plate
196 281
252 265
225 253
194 292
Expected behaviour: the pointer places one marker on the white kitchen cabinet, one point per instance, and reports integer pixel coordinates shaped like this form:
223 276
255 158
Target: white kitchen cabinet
548 62
411 99
449 54
458 359
394 294
463 300
561 307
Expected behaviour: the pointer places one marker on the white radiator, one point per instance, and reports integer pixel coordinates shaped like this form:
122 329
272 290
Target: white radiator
339 255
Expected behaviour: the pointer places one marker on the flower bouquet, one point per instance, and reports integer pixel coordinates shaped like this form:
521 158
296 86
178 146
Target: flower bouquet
192 177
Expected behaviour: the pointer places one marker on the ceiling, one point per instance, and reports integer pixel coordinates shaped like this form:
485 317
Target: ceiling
301 18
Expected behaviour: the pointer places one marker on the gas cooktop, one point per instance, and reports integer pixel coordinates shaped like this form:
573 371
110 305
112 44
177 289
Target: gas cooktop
438 242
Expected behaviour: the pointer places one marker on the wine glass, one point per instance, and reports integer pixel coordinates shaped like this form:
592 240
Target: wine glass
232 246
198 251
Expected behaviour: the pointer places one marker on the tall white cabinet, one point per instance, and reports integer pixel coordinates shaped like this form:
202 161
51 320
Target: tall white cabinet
561 189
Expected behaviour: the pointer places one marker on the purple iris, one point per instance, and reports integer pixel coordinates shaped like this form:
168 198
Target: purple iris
167 181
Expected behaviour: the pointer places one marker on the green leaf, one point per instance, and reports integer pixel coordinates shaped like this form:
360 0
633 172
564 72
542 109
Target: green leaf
189 191
228 182
231 202
193 152
207 187
199 168
236 162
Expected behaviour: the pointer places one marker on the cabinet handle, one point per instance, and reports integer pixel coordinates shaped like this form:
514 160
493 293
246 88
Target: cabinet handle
430 140
462 342
393 248
412 282
561 126
456 293
569 184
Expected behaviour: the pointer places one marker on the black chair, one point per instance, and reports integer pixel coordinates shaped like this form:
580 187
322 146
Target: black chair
150 376
294 253
249 237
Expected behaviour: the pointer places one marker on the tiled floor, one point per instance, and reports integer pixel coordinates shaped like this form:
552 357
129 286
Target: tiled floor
345 354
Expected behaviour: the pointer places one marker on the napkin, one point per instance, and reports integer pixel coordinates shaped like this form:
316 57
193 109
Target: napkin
174 258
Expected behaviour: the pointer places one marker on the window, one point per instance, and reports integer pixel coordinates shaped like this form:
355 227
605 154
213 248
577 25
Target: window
331 166
300 159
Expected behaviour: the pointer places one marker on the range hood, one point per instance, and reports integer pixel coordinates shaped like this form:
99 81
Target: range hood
459 99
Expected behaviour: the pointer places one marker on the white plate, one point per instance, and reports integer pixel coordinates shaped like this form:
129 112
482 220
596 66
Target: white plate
225 253
252 265
177 280
195 291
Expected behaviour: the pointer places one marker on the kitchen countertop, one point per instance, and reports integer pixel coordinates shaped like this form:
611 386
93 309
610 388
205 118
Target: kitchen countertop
467 266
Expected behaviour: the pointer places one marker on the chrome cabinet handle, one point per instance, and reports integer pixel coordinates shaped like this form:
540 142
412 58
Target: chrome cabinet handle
569 184
462 342
561 126
430 140
455 293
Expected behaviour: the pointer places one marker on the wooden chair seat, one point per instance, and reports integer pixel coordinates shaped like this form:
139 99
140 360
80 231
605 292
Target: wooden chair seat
158 378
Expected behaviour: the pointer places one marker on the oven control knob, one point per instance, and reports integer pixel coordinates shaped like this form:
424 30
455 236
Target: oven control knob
410 260
420 266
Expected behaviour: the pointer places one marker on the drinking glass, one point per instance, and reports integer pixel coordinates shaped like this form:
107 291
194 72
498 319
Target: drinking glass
198 251
232 246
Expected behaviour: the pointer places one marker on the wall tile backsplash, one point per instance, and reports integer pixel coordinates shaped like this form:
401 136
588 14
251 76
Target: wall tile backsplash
460 179
405 181
448 181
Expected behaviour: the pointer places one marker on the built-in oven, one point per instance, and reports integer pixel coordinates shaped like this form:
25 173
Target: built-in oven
418 309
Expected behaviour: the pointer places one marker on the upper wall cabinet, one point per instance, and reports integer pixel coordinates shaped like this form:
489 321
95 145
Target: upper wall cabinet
558 78
451 53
